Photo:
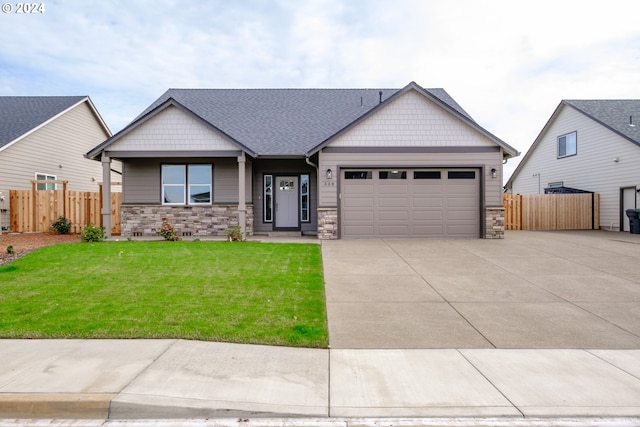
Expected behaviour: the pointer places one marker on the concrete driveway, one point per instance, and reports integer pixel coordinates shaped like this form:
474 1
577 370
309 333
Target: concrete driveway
532 290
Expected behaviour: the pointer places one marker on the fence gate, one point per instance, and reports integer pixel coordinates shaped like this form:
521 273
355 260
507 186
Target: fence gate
34 210
551 211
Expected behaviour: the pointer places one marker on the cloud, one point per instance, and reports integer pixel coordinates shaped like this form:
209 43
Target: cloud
508 63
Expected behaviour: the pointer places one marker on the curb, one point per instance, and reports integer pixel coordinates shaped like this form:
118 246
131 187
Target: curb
55 405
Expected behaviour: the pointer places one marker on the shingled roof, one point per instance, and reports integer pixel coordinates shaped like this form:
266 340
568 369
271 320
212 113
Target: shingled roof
21 114
620 115
303 118
286 122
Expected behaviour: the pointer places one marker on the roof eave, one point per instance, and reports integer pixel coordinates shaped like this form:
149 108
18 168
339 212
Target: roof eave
595 119
46 122
535 143
508 151
95 153
328 140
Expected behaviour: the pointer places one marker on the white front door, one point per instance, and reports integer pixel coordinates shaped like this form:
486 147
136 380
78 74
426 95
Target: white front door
287 197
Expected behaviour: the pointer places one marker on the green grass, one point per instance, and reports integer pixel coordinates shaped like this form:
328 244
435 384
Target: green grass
246 292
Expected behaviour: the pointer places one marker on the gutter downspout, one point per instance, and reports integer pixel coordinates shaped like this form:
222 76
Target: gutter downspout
310 163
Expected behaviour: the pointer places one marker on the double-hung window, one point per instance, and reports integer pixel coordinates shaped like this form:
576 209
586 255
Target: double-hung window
199 179
567 145
186 184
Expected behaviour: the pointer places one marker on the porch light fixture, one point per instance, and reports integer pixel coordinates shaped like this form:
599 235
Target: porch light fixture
329 173
494 173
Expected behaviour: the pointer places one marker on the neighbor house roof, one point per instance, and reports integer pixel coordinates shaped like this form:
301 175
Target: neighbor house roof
21 115
618 115
284 122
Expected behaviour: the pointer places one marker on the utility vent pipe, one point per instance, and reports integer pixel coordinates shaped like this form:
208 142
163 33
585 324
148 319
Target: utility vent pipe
380 93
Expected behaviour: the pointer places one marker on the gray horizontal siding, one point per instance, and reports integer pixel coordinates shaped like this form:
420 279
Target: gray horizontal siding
328 189
141 182
142 179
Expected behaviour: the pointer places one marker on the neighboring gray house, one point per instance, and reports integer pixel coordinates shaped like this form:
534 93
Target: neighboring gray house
591 145
339 163
46 137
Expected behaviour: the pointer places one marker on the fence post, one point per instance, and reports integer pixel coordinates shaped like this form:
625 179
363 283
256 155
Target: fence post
34 196
64 198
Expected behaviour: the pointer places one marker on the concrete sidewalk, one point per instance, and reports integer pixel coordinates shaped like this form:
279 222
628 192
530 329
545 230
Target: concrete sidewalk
159 379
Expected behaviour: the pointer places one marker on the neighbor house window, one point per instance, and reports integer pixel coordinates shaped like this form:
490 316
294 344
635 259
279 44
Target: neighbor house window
567 145
45 186
268 198
304 198
186 182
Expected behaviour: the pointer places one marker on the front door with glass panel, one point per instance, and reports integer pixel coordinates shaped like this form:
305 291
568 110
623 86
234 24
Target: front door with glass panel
286 201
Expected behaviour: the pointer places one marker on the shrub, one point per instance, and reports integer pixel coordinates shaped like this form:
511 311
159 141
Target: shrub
91 233
61 226
168 231
234 233
10 249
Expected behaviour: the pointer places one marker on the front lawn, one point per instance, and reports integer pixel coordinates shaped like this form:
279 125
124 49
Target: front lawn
246 292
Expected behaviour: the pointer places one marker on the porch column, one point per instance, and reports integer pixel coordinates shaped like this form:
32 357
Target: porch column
106 193
242 203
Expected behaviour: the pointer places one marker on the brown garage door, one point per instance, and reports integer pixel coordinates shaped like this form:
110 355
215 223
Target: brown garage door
410 203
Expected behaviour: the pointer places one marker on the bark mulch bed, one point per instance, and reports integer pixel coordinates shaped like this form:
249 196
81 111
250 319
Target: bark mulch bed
23 243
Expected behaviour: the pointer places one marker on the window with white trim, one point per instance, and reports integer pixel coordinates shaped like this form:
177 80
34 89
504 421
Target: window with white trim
186 184
199 179
45 177
567 145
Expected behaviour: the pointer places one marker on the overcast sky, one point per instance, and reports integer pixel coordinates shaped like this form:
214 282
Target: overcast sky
509 63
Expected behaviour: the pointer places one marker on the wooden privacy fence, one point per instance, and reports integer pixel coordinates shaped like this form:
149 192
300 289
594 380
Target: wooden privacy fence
34 210
551 211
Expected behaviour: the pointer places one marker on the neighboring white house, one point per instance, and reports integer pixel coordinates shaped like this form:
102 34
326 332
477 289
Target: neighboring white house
45 137
591 145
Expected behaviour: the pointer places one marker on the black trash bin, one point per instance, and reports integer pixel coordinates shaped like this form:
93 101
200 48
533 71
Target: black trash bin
634 221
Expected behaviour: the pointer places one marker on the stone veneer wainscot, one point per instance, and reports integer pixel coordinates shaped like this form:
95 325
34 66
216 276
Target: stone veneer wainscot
494 225
327 223
196 221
